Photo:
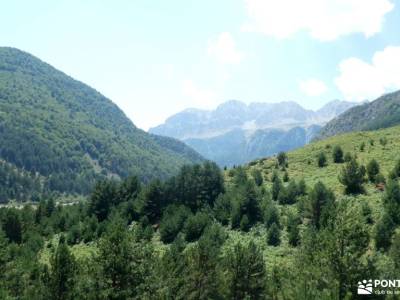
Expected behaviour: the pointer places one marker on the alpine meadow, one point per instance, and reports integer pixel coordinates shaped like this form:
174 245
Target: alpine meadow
152 181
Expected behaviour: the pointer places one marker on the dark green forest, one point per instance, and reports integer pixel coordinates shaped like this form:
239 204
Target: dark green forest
204 234
59 128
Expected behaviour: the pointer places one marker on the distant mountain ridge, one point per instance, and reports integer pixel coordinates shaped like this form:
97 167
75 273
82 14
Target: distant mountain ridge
381 113
235 133
67 134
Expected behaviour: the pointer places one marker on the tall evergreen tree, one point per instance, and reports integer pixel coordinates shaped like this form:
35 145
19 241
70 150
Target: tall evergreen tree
320 205
63 272
103 197
12 226
246 272
352 177
153 201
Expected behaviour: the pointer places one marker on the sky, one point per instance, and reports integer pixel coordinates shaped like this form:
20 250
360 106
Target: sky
156 58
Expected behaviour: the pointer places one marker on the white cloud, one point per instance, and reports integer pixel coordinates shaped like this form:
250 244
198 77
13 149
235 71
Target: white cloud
325 20
198 97
223 49
312 87
360 80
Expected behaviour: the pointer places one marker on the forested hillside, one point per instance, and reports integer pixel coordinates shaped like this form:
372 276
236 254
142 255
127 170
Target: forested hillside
381 113
308 224
69 134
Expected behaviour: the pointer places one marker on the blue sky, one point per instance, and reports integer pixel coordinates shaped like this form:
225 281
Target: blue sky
155 58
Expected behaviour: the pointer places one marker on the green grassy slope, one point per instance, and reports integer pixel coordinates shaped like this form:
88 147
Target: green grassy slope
69 133
303 162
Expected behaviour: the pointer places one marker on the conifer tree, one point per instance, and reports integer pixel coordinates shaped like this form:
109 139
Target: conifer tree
246 272
352 177
63 272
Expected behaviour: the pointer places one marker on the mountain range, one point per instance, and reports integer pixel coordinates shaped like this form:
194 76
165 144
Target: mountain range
58 134
236 133
380 113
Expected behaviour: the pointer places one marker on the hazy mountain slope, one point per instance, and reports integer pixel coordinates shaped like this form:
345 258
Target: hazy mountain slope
234 148
381 113
235 133
64 130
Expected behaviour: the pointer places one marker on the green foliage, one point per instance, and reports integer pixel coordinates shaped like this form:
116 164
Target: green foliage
276 186
362 146
372 170
153 201
282 159
337 154
63 272
246 210
69 134
285 177
274 235
258 179
289 194
293 229
223 207
12 227
103 197
197 186
246 272
352 177
321 160
195 225
347 157
172 222
384 231
320 205
271 215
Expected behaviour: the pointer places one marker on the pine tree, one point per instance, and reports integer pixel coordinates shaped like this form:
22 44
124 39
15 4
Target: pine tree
12 226
321 160
274 235
293 229
153 201
391 201
384 231
129 189
103 197
258 179
320 206
276 186
201 275
337 154
372 170
352 177
246 272
282 159
63 272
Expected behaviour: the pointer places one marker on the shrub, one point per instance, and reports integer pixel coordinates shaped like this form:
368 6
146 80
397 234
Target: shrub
282 158
337 154
372 170
321 160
